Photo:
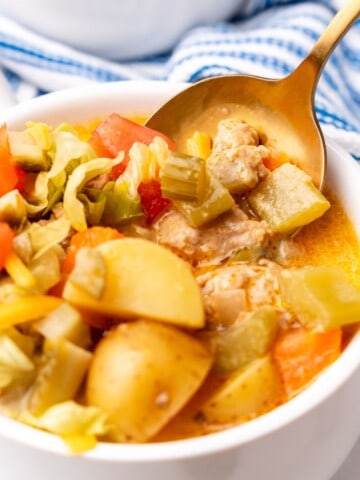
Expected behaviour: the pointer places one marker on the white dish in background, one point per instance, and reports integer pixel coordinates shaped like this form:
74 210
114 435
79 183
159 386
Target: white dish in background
306 438
114 28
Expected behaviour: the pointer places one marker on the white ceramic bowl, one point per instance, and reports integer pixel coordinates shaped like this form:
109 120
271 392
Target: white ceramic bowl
117 29
306 438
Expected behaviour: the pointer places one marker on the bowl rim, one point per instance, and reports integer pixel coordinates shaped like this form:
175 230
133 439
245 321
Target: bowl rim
323 387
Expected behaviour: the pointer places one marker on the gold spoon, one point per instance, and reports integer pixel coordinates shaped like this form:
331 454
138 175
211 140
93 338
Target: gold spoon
282 110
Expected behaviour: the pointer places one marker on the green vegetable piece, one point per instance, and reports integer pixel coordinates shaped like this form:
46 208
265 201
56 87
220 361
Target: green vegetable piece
65 322
69 418
89 273
217 200
67 153
44 236
27 153
46 270
247 254
12 208
41 134
320 297
287 199
248 392
62 371
73 207
120 206
183 178
94 203
250 339
14 363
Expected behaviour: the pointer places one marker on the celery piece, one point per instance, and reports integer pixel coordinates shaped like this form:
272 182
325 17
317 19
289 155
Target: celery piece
250 339
89 273
120 206
46 269
12 208
65 322
320 297
183 177
217 200
27 153
248 392
14 363
287 199
62 369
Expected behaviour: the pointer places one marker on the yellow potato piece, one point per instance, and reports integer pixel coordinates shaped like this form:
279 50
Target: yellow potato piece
250 391
143 279
142 374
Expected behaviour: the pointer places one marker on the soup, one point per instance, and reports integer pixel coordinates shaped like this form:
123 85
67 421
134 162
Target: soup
148 295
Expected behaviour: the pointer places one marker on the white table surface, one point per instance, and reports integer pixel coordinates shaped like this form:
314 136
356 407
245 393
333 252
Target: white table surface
350 470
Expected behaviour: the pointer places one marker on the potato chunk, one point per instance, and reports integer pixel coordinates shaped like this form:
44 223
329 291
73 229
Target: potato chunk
143 279
321 297
142 374
248 392
287 199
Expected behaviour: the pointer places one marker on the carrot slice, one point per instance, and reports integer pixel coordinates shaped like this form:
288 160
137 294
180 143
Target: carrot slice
6 239
301 353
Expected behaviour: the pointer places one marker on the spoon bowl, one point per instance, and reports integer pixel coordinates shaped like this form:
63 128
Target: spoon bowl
281 110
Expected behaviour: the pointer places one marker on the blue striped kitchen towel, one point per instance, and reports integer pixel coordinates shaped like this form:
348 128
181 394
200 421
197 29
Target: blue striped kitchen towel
267 38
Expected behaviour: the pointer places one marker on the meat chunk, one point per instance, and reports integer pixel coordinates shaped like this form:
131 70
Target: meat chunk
237 158
239 169
231 133
233 290
213 243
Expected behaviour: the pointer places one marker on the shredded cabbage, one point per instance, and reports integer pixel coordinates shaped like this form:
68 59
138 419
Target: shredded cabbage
44 236
144 165
68 152
120 206
78 425
73 207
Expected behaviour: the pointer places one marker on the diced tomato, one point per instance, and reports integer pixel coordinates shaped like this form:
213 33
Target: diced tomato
152 201
6 239
300 354
9 177
88 238
118 170
116 134
21 183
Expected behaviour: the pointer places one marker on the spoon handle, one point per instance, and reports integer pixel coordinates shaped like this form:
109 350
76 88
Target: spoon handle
311 67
